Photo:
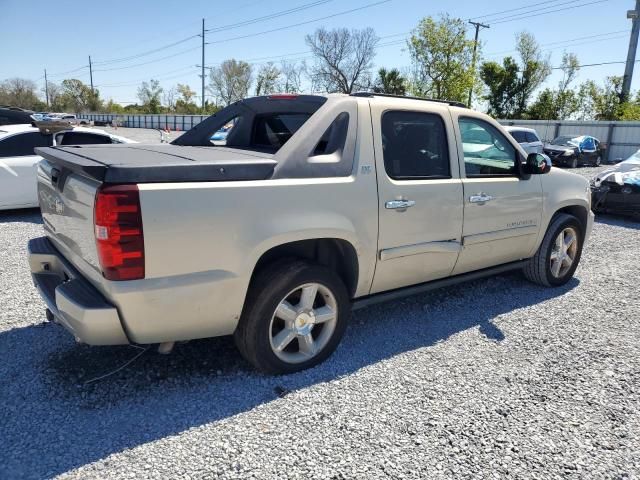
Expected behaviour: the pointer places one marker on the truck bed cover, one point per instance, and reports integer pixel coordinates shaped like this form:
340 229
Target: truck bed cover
160 163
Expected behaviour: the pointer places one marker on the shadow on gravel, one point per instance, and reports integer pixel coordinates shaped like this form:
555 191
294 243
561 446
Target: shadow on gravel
52 422
31 215
618 221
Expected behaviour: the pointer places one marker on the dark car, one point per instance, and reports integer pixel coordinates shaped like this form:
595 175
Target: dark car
14 115
573 150
617 189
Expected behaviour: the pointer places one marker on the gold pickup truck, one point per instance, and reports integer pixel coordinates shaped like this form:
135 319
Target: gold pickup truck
276 216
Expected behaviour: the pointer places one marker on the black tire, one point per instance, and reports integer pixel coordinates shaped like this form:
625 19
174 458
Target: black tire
574 162
268 288
538 269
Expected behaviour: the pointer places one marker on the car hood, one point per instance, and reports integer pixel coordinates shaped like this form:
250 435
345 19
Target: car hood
559 148
624 173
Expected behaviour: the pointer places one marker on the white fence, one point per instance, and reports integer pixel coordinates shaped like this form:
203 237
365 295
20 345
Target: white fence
174 122
620 139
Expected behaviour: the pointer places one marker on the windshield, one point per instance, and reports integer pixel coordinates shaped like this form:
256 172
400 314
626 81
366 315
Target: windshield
567 141
635 158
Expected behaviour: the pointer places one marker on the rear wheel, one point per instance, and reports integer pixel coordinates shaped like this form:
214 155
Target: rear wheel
295 316
559 254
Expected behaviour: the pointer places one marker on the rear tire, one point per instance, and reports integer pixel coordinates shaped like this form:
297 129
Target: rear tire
555 250
294 317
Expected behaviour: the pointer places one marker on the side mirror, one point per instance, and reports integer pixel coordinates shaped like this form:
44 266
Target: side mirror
537 164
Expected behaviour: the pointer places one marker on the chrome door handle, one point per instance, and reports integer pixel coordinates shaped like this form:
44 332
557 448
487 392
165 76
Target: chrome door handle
399 204
480 198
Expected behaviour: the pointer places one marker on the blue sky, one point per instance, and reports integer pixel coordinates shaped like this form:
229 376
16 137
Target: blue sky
60 36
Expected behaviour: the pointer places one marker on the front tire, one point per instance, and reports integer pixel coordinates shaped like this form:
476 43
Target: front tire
574 162
597 161
294 317
557 258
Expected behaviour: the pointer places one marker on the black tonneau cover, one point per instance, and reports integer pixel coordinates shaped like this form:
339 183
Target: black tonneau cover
160 163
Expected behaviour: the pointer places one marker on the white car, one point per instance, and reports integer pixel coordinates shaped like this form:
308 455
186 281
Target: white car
18 162
528 138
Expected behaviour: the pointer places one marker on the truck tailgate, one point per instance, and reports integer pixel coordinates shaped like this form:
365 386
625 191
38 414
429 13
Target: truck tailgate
66 202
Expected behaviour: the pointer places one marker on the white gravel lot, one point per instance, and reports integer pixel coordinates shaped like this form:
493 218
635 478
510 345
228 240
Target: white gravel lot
493 379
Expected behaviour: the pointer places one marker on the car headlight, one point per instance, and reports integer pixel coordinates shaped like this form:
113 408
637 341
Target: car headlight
567 153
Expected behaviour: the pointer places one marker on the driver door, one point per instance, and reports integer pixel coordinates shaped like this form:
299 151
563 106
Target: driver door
502 210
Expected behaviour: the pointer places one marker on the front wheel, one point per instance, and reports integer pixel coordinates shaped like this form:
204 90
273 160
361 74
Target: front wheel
574 162
597 161
559 254
294 317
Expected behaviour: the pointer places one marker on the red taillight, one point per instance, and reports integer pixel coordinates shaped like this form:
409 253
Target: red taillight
283 96
118 230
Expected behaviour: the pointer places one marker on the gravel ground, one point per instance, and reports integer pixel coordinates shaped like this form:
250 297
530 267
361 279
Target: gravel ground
493 379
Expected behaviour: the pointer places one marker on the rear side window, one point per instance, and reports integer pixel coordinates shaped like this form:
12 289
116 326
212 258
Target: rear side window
82 138
520 136
273 130
334 137
415 145
23 144
532 137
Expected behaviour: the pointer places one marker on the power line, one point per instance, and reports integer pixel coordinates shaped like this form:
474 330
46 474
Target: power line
513 9
268 17
595 64
509 19
150 61
566 43
144 54
345 12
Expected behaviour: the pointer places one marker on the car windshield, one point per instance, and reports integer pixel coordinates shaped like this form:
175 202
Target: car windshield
635 158
566 140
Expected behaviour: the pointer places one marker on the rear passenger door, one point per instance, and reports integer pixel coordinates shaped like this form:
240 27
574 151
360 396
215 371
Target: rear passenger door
502 212
419 192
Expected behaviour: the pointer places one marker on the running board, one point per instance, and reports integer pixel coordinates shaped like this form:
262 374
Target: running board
367 301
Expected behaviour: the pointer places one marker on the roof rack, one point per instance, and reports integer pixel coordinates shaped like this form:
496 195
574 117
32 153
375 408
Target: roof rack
371 94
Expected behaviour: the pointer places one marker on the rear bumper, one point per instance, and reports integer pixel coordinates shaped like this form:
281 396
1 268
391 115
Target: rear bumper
74 302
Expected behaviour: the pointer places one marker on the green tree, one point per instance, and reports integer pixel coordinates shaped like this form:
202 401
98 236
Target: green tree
502 84
113 107
78 97
267 79
391 82
534 70
343 59
149 94
442 58
20 92
230 81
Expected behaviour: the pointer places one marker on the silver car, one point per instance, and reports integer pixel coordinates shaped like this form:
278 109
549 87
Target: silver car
528 138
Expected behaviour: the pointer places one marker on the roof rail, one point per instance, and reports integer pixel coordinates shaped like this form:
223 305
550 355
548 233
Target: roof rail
371 94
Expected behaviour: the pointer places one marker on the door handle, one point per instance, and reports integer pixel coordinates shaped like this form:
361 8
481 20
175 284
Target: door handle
399 204
480 198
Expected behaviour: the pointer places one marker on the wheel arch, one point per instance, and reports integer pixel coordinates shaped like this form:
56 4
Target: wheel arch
578 211
335 253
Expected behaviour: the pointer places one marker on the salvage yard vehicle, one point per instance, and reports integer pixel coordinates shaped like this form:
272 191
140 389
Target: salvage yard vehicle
315 205
14 115
18 161
617 189
574 150
528 138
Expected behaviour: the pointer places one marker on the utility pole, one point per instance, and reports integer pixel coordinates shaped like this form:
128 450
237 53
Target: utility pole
46 87
631 54
478 26
91 73
203 64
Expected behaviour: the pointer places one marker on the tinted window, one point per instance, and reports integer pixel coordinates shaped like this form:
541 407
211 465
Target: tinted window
532 137
23 144
520 136
272 131
335 136
414 145
487 152
83 138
